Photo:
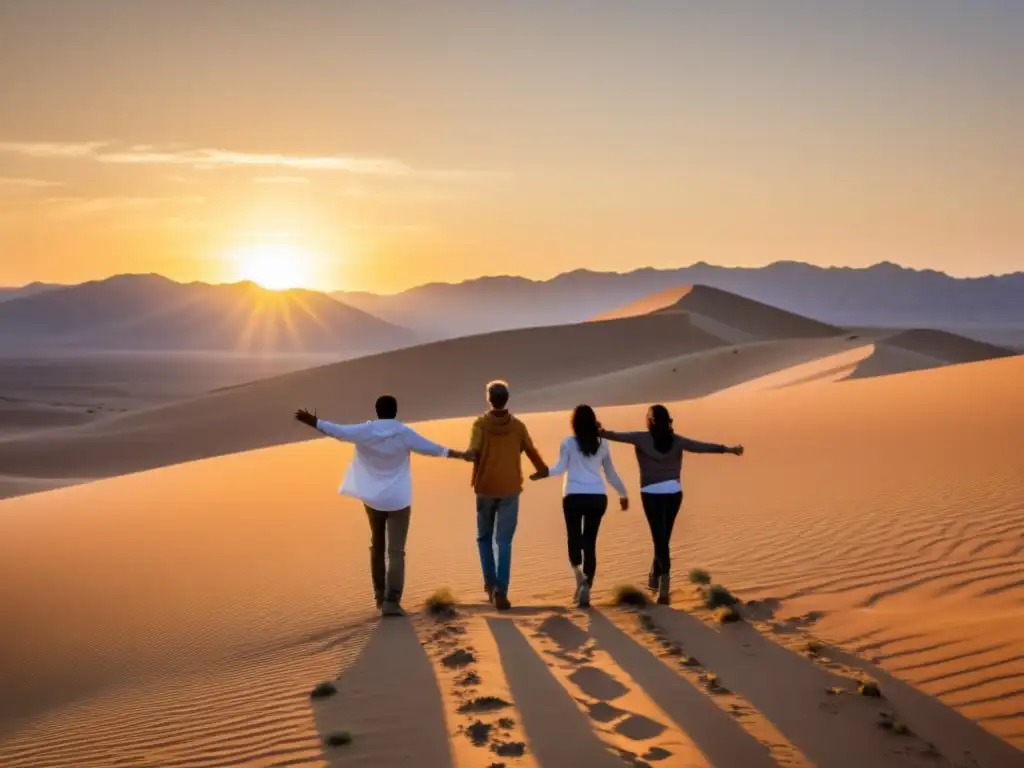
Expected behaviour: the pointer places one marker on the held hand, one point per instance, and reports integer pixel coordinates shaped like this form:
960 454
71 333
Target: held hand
736 450
623 503
539 474
306 417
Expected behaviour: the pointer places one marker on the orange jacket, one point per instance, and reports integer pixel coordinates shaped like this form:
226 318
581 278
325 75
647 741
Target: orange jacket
498 439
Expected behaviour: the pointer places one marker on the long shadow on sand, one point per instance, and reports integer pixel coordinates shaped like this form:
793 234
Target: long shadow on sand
713 730
389 700
791 691
558 732
959 737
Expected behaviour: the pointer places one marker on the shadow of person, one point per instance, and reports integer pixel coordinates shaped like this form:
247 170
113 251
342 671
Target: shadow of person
960 738
558 732
791 691
388 699
714 731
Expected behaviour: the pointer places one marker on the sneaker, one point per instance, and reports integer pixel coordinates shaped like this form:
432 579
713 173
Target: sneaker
501 601
391 608
583 596
489 589
581 582
664 590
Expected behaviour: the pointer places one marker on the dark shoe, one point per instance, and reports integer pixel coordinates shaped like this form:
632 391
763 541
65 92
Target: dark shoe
652 582
489 589
501 601
391 608
664 590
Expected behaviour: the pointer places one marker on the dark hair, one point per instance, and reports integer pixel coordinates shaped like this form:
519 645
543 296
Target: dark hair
585 427
659 424
497 394
387 407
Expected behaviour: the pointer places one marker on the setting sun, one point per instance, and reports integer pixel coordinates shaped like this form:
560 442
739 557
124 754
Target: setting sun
276 266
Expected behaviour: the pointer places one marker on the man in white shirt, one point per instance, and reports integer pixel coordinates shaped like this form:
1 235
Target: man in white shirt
380 476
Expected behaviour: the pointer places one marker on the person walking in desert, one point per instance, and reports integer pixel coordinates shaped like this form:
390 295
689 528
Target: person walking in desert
581 458
497 441
659 453
380 476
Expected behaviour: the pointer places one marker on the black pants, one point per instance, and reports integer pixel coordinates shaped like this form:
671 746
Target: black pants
583 513
661 510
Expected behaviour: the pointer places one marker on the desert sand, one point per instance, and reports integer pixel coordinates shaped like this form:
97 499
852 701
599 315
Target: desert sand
180 616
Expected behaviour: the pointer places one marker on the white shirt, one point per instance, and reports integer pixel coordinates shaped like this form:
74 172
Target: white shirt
380 475
583 473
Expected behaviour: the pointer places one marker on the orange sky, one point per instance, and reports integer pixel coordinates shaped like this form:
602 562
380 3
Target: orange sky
384 146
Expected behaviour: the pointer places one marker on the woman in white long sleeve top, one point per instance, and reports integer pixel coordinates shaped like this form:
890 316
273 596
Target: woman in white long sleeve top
582 458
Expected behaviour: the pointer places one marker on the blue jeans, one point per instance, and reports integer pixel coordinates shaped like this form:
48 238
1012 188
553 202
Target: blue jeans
496 521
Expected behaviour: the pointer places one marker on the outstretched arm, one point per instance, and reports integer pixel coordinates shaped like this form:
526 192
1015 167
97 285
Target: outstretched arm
417 443
696 446
348 432
621 437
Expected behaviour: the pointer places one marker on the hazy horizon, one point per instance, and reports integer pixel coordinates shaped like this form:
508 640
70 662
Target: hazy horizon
496 276
351 146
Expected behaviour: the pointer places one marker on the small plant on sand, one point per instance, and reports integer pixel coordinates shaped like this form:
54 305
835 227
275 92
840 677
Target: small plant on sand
338 739
441 603
869 689
717 596
627 594
323 690
814 648
700 576
727 614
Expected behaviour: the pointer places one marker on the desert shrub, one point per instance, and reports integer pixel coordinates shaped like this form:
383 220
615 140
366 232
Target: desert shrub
717 596
338 739
441 603
727 614
323 690
869 689
627 594
700 576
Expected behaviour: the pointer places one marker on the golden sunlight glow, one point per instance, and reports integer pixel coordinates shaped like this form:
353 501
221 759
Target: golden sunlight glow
276 266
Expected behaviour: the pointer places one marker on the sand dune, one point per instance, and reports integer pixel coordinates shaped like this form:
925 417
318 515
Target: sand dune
700 342
432 381
213 595
727 315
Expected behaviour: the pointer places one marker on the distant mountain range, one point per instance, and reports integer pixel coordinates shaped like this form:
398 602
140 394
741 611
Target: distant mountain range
26 290
152 313
882 295
149 312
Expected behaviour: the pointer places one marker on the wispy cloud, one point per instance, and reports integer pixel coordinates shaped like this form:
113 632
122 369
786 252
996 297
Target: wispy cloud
44 149
206 158
29 183
80 207
220 158
281 180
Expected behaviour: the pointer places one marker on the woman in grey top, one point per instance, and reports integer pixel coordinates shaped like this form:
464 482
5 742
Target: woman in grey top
659 452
